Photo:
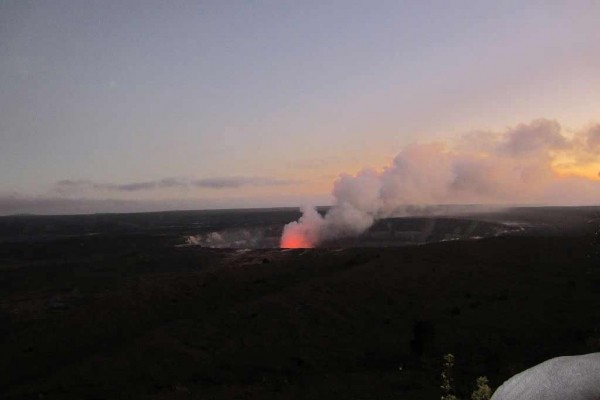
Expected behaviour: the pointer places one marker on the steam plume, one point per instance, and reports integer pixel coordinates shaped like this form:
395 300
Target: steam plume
531 163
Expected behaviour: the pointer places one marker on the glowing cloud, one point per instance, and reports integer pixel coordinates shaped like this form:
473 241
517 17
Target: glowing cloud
518 166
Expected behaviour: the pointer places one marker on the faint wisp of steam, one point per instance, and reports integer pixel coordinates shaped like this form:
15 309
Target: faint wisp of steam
515 166
248 238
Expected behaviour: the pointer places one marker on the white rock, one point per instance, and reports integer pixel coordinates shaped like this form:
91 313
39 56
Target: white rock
560 378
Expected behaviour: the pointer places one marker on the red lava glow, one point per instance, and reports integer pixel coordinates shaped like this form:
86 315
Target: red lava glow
294 241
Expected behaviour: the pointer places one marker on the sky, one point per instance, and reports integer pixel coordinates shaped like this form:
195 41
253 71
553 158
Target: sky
150 105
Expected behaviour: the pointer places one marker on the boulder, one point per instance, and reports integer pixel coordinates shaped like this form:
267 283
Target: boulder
560 378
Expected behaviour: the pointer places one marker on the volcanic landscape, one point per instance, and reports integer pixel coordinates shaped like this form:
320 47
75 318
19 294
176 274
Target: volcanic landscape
204 304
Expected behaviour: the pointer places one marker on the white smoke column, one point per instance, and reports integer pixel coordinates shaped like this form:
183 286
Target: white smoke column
353 213
513 167
304 233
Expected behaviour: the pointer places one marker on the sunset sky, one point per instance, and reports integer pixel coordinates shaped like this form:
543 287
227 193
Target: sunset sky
149 105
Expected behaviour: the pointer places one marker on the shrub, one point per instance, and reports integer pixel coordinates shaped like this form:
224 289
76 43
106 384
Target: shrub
481 392
447 381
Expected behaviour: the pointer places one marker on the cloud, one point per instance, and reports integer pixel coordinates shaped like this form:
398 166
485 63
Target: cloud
16 204
541 135
592 138
236 182
516 166
149 185
52 205
68 186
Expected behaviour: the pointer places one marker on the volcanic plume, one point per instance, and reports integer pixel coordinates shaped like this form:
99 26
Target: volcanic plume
535 163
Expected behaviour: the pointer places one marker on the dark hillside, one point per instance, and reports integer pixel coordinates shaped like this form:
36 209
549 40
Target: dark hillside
111 316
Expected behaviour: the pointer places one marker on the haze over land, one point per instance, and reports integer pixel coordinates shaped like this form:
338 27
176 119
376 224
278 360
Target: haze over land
143 106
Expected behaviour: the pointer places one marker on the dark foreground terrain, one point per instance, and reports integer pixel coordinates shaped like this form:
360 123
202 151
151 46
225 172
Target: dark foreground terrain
114 311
